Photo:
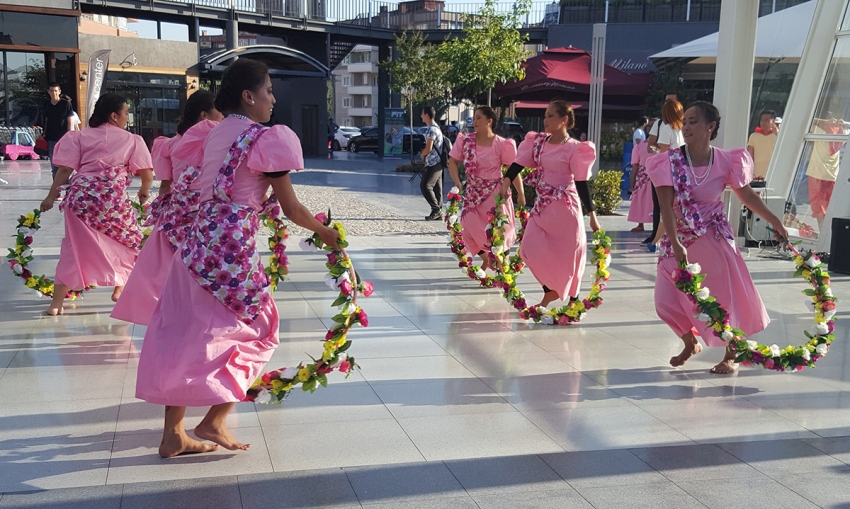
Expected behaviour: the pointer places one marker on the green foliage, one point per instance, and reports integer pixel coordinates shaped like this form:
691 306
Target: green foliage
491 51
417 72
605 191
611 145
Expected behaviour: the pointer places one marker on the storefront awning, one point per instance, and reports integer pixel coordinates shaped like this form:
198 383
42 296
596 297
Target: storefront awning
282 61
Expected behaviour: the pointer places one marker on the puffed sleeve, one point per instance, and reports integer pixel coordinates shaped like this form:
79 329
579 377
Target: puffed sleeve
189 151
507 152
659 170
140 157
67 151
457 149
581 161
278 149
525 152
161 158
740 168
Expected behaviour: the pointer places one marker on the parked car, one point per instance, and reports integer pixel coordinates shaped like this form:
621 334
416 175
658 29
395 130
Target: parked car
368 141
342 136
513 130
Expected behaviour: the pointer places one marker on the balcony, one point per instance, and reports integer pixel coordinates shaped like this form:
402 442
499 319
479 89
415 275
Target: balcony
359 112
362 67
362 90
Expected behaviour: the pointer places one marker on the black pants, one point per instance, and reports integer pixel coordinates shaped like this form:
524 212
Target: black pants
656 216
432 186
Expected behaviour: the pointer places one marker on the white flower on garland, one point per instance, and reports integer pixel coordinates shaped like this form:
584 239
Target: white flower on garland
822 328
703 317
349 309
829 314
27 232
289 374
498 249
18 268
810 305
307 245
264 397
453 219
26 253
339 360
331 282
343 277
480 274
694 268
828 292
813 261
703 293
547 320
608 261
807 356
454 190
727 335
821 349
582 315
752 345
775 351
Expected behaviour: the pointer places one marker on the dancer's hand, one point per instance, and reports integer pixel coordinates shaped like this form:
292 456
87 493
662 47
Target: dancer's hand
47 204
680 252
594 223
780 233
505 189
143 196
329 236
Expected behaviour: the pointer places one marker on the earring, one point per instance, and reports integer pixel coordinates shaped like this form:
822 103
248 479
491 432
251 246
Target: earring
252 103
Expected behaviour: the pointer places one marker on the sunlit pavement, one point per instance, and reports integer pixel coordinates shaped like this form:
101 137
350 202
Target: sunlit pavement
459 403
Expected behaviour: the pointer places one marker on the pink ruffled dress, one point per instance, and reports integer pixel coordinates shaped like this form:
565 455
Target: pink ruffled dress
483 167
197 351
87 256
640 210
727 277
555 245
172 157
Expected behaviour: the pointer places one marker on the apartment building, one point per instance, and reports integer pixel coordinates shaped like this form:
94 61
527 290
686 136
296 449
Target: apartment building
355 88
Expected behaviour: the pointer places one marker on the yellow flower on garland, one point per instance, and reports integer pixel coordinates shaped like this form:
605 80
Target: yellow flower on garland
303 375
807 274
277 386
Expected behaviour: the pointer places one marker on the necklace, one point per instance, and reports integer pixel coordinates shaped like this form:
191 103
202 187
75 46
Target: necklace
700 179
236 115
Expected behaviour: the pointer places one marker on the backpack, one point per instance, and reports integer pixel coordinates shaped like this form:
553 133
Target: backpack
445 150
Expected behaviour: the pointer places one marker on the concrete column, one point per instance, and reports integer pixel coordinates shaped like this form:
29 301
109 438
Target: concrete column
733 81
383 95
232 30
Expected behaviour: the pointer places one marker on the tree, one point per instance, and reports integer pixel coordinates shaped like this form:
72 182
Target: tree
491 52
417 72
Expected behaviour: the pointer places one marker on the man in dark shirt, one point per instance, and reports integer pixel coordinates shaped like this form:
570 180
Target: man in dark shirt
56 116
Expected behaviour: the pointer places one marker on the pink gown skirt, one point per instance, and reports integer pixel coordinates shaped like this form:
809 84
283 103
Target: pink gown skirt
141 293
196 352
726 277
90 258
474 223
554 246
640 210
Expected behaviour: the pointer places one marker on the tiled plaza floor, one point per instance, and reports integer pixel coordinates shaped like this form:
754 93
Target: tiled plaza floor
458 404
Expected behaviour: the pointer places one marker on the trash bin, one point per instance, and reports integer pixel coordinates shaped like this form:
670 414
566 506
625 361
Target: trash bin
839 249
627 168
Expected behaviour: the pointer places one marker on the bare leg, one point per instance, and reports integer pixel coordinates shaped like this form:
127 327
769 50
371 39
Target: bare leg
548 298
59 293
116 293
638 228
175 441
692 347
486 262
212 428
727 365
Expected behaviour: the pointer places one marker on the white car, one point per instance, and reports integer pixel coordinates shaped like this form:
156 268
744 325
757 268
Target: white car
342 136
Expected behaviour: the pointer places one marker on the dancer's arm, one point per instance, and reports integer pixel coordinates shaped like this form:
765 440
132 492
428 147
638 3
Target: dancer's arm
455 173
62 176
587 204
752 201
164 187
520 190
145 189
298 213
666 195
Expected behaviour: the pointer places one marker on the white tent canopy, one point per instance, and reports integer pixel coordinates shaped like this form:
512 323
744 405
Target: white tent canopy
778 35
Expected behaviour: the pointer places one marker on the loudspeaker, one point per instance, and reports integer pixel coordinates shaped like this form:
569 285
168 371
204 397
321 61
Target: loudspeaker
839 249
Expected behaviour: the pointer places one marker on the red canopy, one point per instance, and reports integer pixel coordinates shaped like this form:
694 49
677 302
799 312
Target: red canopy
565 72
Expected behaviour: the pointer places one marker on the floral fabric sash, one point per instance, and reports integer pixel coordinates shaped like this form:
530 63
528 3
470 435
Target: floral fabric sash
179 209
691 226
102 203
546 193
641 178
477 190
220 250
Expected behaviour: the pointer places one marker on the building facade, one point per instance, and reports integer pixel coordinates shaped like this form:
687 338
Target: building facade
355 88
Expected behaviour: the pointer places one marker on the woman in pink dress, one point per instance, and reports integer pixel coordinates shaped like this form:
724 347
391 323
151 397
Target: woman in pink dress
483 155
216 323
641 207
554 245
176 160
102 237
690 183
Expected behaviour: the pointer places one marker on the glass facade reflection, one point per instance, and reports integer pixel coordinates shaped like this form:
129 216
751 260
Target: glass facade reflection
154 99
25 87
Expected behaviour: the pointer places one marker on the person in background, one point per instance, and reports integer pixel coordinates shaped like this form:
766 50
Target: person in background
432 178
640 132
75 119
822 170
761 143
56 118
663 136
640 209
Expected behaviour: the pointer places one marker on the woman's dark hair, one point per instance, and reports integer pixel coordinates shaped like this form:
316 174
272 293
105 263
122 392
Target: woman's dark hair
104 107
710 114
563 109
673 114
199 102
244 74
487 112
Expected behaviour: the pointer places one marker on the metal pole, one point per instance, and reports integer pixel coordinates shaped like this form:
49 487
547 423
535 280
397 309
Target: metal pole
607 3
597 80
439 15
688 12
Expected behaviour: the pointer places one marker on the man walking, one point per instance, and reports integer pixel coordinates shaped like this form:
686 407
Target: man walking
57 117
432 177
762 142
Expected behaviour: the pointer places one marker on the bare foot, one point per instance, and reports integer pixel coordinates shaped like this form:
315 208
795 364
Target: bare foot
638 228
116 293
486 263
727 365
174 444
220 436
548 298
691 348
54 311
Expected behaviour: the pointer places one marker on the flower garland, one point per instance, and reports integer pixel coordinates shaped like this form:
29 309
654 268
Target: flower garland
688 279
275 386
143 212
277 267
464 259
508 270
22 254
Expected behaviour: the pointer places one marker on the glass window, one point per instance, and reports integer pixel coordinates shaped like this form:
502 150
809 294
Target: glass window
374 81
26 29
834 100
845 25
346 81
2 90
346 102
812 188
27 86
